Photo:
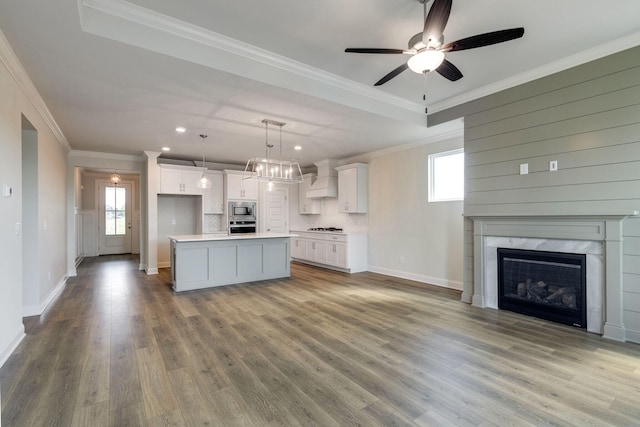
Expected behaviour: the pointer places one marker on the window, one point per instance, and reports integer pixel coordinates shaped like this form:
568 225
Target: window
446 176
115 211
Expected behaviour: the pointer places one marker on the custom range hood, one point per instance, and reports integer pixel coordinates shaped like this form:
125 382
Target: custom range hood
326 184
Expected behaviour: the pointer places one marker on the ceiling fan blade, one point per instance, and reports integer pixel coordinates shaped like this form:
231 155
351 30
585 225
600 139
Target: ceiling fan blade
485 39
449 71
436 21
392 74
377 50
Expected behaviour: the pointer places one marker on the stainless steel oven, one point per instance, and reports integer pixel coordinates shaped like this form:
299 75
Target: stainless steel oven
242 217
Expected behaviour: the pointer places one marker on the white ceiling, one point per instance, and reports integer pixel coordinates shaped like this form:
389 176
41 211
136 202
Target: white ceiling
119 76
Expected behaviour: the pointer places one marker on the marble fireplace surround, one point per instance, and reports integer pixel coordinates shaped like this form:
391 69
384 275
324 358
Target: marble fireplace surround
599 238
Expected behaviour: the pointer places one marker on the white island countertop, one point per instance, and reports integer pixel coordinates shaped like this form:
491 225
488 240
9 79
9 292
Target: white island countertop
219 237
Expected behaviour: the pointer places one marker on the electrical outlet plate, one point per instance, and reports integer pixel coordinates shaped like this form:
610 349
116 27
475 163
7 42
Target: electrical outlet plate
524 168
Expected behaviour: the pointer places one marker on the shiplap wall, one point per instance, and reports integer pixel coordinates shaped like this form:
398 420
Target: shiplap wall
631 278
588 119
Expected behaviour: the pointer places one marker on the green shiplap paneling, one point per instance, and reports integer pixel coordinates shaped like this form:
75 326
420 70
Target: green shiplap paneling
631 284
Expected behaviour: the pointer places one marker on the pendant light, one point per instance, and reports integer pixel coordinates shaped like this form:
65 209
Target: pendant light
273 171
204 182
115 178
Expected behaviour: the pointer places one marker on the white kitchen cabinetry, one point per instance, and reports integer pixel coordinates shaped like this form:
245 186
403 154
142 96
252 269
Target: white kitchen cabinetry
212 198
353 182
344 252
306 205
181 180
298 248
237 188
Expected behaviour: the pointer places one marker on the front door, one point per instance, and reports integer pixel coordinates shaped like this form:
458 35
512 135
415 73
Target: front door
114 204
277 210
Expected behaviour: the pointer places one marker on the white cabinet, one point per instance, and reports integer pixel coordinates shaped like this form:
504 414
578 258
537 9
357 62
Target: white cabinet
306 205
237 188
298 248
337 251
344 252
180 180
353 181
212 198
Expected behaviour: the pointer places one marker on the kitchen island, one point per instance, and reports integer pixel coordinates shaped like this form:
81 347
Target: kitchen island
207 260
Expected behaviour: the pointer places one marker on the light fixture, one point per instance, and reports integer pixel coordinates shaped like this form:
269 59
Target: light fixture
297 147
425 61
273 171
204 182
165 149
115 178
181 129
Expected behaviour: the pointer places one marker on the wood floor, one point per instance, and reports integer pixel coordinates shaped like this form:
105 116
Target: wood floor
323 348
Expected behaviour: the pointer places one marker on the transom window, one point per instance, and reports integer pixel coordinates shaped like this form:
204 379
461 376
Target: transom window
446 176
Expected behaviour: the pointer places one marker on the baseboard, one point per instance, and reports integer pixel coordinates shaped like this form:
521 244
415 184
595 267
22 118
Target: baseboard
164 264
632 336
444 283
151 271
5 353
37 310
79 261
142 266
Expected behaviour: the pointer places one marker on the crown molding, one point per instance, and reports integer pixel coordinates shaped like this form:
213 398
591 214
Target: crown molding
597 52
113 18
109 156
456 132
9 59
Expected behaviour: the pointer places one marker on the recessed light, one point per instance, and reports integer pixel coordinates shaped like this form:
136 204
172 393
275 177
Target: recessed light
181 129
297 147
166 149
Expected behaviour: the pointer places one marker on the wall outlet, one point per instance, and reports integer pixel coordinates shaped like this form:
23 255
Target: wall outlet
524 168
553 165
401 260
45 225
173 222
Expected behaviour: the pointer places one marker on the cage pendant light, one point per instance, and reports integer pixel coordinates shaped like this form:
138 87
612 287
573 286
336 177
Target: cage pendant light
270 170
115 178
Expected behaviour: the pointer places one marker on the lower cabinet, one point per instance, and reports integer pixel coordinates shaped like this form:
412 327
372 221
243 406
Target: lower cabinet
345 252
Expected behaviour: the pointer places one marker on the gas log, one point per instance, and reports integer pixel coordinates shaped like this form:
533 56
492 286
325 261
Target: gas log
541 293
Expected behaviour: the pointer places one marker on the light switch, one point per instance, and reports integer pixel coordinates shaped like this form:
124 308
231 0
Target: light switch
553 165
7 191
524 168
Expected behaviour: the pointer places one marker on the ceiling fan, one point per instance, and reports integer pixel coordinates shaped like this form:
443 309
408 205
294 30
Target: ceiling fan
427 49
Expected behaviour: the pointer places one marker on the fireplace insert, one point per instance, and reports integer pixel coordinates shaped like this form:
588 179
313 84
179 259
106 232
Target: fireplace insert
547 285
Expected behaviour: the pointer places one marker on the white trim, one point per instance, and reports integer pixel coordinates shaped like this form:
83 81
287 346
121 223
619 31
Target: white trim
37 310
101 155
6 352
597 52
151 271
430 280
20 76
367 157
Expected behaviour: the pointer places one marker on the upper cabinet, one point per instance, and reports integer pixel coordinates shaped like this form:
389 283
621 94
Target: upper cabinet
212 198
306 205
353 182
180 180
237 188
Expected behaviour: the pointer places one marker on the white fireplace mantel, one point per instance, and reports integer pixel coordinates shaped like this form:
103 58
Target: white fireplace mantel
555 233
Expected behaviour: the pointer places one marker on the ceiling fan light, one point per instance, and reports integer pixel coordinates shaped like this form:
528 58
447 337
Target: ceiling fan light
425 61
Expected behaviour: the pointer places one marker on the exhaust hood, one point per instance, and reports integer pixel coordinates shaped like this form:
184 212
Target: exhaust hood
326 184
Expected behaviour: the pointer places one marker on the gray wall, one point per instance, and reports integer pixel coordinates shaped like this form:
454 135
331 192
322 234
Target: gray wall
588 119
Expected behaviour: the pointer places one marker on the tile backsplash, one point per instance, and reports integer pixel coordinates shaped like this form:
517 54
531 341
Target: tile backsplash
330 217
211 223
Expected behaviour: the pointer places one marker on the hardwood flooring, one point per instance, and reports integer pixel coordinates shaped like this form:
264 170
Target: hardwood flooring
323 348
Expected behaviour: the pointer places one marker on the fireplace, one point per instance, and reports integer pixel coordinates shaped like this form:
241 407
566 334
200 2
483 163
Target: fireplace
547 285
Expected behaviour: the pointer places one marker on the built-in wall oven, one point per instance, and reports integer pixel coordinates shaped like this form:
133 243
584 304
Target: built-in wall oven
242 217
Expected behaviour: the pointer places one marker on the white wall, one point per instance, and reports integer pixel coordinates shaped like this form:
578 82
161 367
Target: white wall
184 211
20 98
408 236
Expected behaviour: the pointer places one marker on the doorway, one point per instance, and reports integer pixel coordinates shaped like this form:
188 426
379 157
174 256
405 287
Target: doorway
114 218
277 210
